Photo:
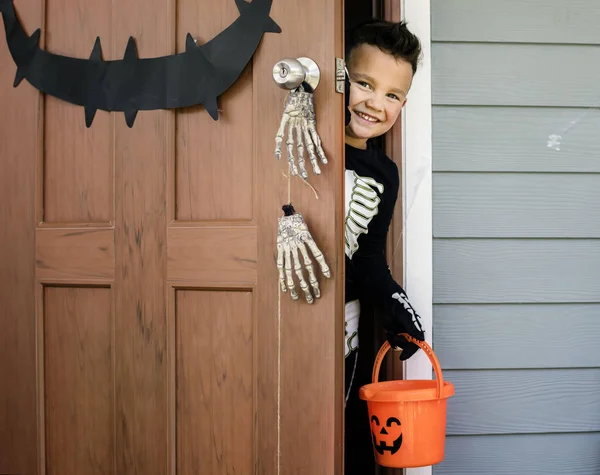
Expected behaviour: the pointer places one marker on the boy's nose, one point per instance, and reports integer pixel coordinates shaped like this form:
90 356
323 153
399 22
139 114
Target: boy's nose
375 104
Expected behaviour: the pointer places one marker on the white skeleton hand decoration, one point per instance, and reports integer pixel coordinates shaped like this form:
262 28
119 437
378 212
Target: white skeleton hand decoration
299 116
293 236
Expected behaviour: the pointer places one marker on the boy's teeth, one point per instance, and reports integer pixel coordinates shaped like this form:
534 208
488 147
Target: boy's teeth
366 117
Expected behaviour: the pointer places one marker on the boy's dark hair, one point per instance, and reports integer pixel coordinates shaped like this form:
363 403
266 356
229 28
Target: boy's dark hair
389 37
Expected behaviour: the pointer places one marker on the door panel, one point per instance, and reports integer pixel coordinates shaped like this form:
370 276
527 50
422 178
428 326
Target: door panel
79 373
214 161
215 395
224 255
77 171
140 268
67 254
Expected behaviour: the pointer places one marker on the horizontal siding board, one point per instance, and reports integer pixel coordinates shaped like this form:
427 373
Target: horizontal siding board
517 336
516 271
515 74
524 401
537 21
516 205
506 77
548 454
515 139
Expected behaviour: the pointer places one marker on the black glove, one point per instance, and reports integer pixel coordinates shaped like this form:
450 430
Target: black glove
408 348
402 318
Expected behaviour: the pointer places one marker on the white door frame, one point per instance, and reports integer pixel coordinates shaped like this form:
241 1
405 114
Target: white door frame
417 189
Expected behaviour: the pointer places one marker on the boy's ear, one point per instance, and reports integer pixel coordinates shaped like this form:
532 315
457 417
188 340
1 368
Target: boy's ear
404 103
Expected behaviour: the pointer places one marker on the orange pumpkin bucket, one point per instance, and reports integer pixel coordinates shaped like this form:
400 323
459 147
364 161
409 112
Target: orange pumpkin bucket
408 417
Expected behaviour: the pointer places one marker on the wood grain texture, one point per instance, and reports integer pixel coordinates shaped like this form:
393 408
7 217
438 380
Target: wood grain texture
142 157
215 382
524 401
515 74
517 336
504 139
549 454
516 205
78 162
75 254
144 196
534 21
78 374
214 162
310 337
516 271
218 256
19 136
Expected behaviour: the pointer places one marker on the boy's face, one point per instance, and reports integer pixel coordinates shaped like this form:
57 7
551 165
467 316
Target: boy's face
379 85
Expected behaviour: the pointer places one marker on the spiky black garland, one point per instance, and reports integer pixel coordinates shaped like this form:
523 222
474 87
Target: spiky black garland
197 76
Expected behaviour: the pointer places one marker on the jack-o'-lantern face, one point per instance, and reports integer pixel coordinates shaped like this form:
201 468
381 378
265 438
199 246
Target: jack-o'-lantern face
386 437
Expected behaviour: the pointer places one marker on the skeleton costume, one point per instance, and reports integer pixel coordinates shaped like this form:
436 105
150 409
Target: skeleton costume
371 191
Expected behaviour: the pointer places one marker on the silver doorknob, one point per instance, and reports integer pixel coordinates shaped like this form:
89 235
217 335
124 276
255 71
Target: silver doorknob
290 73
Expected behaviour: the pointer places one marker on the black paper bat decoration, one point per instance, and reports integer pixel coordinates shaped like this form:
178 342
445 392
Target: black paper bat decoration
197 76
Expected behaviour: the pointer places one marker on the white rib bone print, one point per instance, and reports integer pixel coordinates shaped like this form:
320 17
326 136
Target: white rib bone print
362 205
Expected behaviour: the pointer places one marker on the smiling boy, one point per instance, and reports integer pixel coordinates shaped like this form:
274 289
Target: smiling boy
382 59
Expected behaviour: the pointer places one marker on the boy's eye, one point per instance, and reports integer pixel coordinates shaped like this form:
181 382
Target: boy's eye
394 96
363 84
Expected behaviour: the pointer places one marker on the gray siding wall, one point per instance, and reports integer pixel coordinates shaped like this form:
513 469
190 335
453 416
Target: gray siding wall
517 233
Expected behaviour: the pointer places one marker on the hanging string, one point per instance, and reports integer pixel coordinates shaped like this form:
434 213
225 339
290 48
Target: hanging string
289 200
278 379
303 181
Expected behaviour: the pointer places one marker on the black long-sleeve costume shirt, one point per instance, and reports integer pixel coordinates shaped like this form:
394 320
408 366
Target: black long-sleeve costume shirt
371 188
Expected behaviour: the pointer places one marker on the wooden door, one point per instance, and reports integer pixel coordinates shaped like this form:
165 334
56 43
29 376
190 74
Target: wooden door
141 327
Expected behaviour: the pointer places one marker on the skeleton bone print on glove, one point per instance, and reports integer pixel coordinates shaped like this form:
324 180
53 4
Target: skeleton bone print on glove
293 236
362 205
403 299
299 117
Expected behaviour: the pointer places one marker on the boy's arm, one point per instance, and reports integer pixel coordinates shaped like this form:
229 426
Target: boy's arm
399 316
377 282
